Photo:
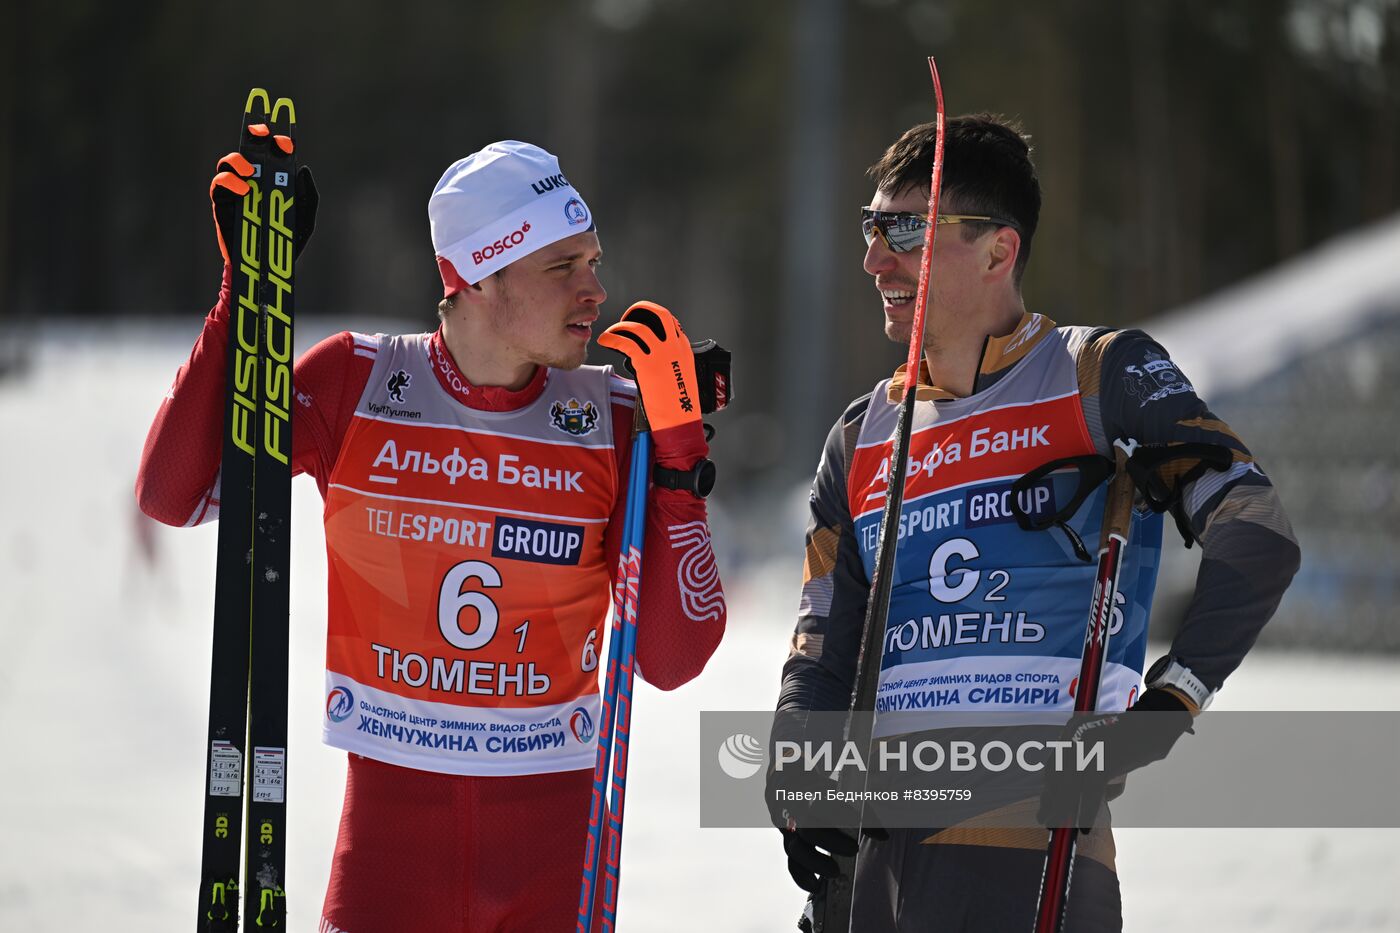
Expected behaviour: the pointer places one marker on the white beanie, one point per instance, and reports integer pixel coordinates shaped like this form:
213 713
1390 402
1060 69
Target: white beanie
498 205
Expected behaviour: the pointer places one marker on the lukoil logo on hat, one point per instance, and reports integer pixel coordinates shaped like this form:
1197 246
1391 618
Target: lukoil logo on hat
499 204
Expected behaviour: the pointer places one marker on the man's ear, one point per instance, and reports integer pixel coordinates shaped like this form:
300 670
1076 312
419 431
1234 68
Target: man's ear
478 293
1002 251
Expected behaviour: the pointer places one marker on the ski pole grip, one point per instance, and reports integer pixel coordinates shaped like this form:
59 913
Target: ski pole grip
1118 510
712 375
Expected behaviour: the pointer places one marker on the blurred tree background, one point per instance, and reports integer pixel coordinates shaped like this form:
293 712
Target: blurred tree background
1182 146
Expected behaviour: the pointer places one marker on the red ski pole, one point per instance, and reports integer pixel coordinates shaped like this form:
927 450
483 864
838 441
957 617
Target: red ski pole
1117 516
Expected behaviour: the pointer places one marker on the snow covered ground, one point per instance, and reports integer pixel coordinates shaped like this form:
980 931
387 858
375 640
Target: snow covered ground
103 704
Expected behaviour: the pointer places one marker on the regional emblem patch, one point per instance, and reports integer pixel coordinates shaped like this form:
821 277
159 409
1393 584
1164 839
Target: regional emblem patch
397 383
573 417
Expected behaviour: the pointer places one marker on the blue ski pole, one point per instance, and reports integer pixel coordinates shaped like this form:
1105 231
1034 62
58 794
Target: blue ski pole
616 718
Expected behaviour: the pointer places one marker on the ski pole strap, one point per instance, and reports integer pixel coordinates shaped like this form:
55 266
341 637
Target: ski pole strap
712 373
1091 469
1144 466
716 384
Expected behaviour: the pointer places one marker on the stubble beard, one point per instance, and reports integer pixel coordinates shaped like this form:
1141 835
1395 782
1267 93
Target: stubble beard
899 333
572 361
513 321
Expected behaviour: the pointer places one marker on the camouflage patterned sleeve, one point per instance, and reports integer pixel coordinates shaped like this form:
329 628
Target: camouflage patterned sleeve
821 665
1248 551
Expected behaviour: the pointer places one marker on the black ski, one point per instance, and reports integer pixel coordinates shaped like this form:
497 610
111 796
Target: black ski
233 596
266 850
249 666
831 908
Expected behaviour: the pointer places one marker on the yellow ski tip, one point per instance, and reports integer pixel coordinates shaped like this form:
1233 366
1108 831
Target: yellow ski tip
291 110
257 94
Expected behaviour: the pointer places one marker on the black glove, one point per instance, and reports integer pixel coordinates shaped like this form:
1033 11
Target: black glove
307 200
1130 740
811 830
226 193
808 861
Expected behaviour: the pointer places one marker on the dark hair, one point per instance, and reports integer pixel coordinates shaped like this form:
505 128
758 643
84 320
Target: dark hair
987 169
450 302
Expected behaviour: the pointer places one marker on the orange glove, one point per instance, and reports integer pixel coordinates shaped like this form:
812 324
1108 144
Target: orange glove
659 353
226 193
228 188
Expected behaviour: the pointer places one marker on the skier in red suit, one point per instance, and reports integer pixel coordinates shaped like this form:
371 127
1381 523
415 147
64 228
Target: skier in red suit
475 481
